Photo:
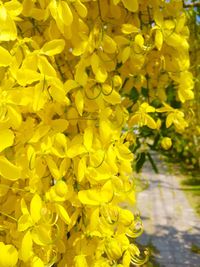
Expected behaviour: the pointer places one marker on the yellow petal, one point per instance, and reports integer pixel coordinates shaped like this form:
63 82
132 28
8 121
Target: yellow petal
150 122
75 150
65 13
80 261
24 222
126 54
69 85
26 247
129 28
145 107
30 62
115 2
135 119
37 262
95 61
15 117
24 208
158 39
88 138
126 217
79 48
35 208
124 153
105 131
39 132
166 108
81 169
111 159
95 196
81 9
81 76
166 143
59 125
131 5
14 8
58 94
113 98
9 170
59 147
101 75
139 40
53 168
6 138
46 68
121 40
9 255
61 188
31 155
63 213
126 259
64 166
53 47
113 249
158 17
8 29
39 99
12 255
27 7
185 95
25 76
109 45
5 57
177 41
87 197
79 101
169 120
41 234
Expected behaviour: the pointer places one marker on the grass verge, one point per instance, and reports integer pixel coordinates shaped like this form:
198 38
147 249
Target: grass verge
191 187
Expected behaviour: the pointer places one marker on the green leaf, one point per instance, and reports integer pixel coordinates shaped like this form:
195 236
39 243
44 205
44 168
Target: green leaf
134 95
152 163
156 103
145 92
140 161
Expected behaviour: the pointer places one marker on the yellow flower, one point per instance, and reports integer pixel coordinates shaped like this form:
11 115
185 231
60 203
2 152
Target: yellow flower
75 75
142 118
113 249
9 255
166 143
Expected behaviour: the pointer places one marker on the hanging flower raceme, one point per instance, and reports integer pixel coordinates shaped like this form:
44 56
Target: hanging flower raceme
67 69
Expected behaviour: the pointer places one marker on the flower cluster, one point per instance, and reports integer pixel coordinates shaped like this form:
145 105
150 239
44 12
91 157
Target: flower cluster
66 68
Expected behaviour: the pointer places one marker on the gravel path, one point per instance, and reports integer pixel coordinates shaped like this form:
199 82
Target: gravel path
170 223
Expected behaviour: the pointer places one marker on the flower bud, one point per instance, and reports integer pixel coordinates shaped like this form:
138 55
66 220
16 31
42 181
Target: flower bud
166 143
9 255
158 122
126 217
61 188
117 81
113 249
80 261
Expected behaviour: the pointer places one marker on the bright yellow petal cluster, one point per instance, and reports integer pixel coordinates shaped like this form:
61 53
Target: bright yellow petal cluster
66 68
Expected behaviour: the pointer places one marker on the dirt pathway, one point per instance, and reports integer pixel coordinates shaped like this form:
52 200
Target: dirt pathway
170 224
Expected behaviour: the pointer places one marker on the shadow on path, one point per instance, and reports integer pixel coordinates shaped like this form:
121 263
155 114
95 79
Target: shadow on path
172 248
171 226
